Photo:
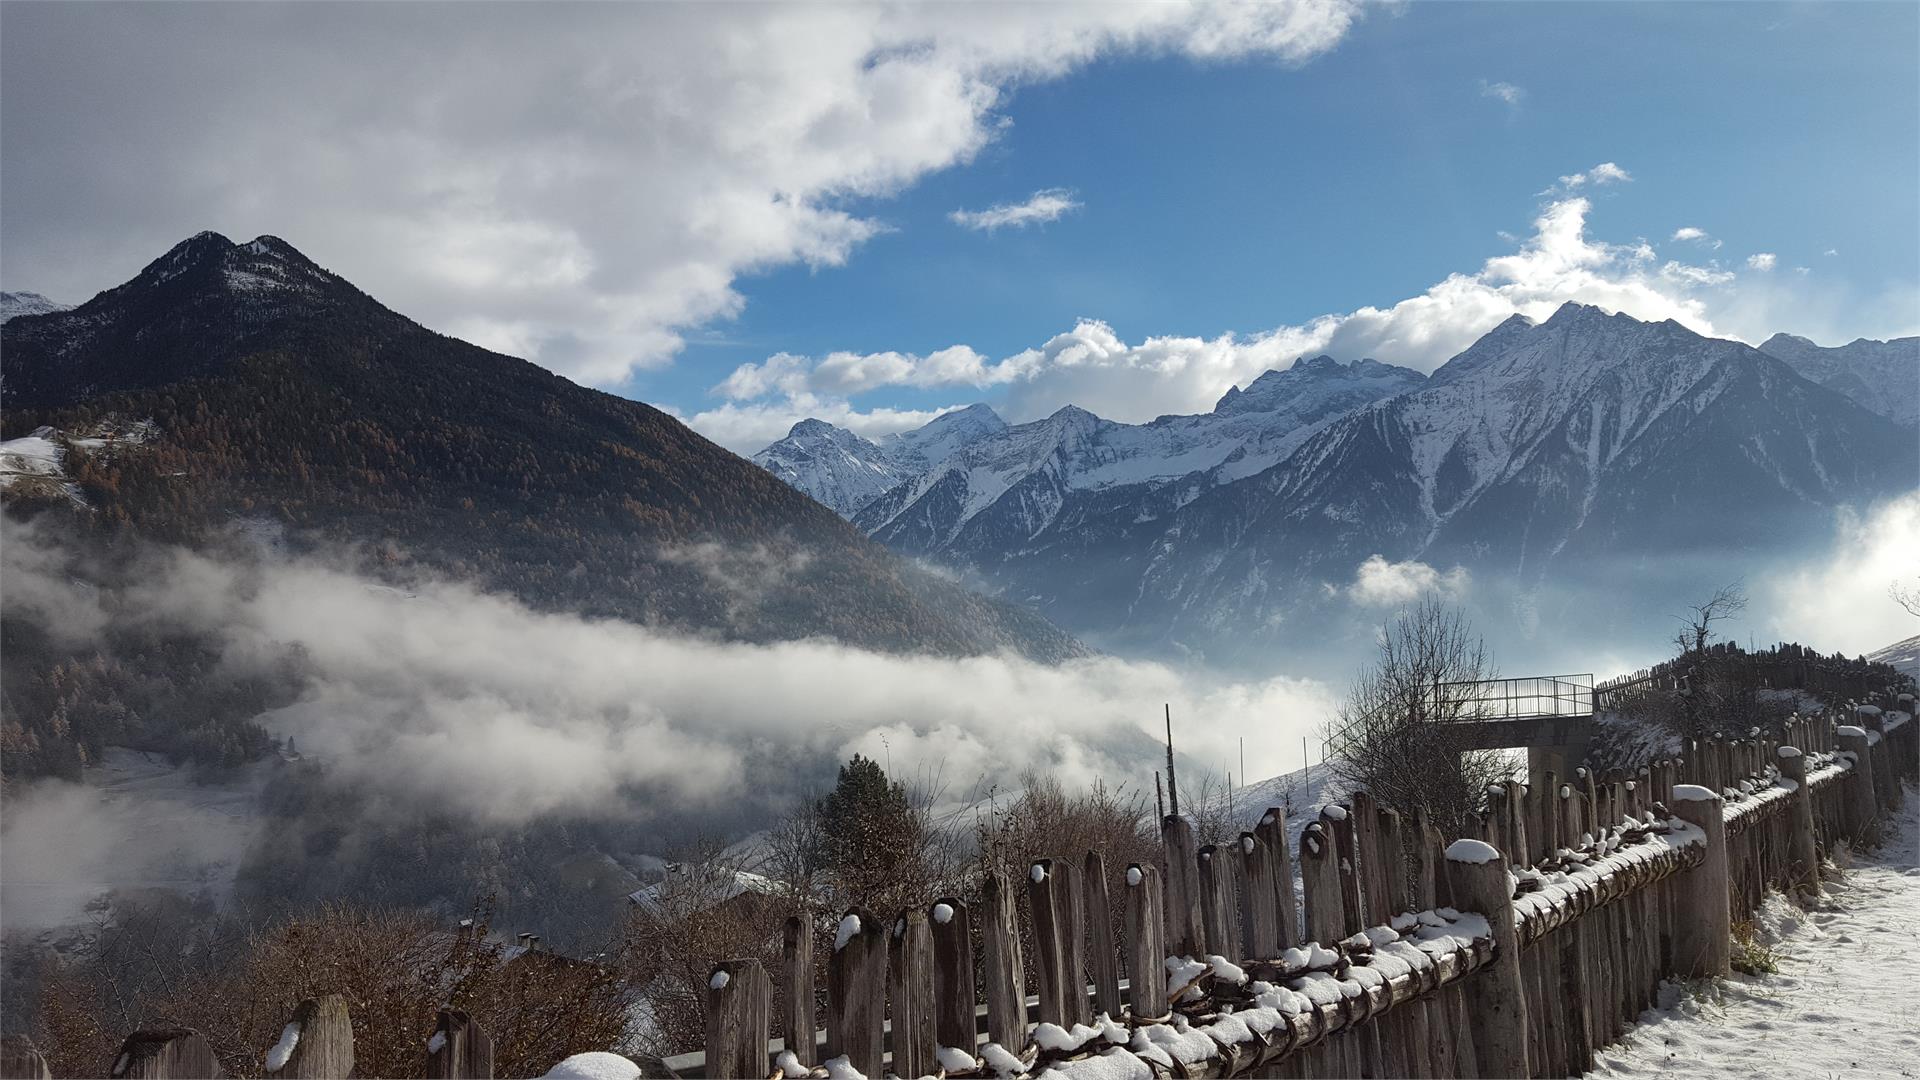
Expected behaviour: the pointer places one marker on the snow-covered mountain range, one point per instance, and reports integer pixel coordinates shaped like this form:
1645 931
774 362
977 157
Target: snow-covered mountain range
1542 451
1883 376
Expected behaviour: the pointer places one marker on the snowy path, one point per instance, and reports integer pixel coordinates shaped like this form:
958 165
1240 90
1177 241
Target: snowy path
1845 1002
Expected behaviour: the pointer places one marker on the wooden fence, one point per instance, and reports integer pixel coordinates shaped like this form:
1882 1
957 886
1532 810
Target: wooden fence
1516 951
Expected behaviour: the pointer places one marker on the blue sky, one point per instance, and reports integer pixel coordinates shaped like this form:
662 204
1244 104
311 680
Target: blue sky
657 199
1241 196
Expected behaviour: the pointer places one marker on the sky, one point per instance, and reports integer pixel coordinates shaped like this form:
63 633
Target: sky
749 215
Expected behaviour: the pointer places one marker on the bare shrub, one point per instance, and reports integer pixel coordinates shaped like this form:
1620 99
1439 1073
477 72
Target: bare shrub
1397 736
395 969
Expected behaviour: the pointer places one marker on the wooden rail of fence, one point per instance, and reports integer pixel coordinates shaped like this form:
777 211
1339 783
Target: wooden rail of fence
1516 951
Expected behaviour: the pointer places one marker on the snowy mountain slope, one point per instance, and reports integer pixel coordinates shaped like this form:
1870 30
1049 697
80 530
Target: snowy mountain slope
1032 485
846 472
1591 448
1541 448
1904 655
1883 376
13 304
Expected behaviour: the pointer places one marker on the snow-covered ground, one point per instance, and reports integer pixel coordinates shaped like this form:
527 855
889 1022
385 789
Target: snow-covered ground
135 822
1840 1005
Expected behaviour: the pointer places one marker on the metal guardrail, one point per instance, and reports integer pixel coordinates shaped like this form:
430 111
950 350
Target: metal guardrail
1515 699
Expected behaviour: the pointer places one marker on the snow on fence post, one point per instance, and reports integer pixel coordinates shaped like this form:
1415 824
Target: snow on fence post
1884 784
1326 919
166 1055
1428 884
910 986
1703 926
739 1005
461 1049
1057 964
1339 821
953 1017
1218 905
1320 881
857 990
1576 952
1146 942
21 1060
1803 861
1496 998
316 1044
1272 831
1862 809
1001 965
1103 965
796 968
1259 899
1184 934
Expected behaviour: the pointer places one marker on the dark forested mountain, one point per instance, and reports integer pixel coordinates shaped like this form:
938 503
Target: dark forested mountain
1880 376
281 397
1543 451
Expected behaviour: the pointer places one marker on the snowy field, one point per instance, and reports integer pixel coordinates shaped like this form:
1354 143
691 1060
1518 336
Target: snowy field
1841 1005
136 822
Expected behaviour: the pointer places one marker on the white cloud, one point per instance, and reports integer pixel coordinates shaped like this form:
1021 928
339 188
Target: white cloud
1379 583
1042 206
1763 261
578 190
1091 366
1695 235
1839 600
1505 92
1608 173
446 697
1600 175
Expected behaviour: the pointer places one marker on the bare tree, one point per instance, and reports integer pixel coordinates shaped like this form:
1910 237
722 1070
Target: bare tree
1398 735
1907 595
1726 602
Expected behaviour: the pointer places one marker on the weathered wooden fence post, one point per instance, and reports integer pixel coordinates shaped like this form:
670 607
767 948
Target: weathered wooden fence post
796 967
1217 902
910 984
1803 860
1057 960
953 1019
461 1049
1320 881
1146 943
1103 965
1496 997
1182 876
317 1044
1259 899
166 1055
1703 930
857 991
739 1006
1272 830
1862 808
1001 966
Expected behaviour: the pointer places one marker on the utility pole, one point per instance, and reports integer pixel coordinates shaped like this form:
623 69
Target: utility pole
1173 790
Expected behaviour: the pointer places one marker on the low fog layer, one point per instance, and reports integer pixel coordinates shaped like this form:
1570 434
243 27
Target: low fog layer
434 698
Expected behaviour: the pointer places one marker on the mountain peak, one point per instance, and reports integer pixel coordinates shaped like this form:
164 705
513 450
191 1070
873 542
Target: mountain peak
810 427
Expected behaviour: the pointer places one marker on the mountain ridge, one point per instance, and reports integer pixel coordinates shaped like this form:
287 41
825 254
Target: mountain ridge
278 387
1543 448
